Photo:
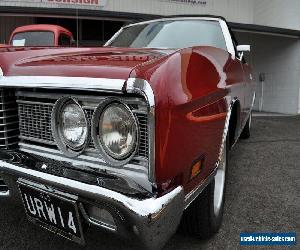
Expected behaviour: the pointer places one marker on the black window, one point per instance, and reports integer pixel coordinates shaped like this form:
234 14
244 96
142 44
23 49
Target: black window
64 40
33 38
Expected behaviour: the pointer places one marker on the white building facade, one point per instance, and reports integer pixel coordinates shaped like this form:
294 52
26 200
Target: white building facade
271 27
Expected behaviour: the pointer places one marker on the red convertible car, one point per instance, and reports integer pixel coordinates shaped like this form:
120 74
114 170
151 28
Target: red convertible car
133 137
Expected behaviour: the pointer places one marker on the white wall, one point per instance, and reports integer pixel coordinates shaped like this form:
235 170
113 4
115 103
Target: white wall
279 59
234 10
277 13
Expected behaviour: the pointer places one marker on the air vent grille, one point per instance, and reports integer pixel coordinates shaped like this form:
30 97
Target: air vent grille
3 186
9 124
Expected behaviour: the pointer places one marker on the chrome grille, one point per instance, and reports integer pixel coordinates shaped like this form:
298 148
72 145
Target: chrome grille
89 113
143 126
9 131
35 123
3 186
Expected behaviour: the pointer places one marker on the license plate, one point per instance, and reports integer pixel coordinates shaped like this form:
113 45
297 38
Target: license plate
48 208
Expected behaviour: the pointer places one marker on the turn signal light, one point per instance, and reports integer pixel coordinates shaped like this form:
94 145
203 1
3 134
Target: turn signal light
196 169
102 216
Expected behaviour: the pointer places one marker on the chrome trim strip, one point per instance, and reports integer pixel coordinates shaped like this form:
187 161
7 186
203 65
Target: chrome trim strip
228 38
226 127
28 138
7 123
37 103
113 37
9 130
191 196
143 88
9 137
6 103
59 82
175 19
8 144
10 109
9 116
90 99
253 101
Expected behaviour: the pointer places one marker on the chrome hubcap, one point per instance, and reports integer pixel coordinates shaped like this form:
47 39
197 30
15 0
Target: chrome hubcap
220 182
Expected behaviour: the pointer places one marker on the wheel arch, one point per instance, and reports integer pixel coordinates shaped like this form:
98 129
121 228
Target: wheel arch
234 121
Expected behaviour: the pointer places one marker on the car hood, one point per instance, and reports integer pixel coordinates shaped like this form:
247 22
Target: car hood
106 62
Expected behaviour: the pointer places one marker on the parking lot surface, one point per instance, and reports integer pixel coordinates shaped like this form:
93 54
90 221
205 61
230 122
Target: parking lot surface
262 196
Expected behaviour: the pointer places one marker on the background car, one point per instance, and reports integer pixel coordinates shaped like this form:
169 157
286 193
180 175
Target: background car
41 35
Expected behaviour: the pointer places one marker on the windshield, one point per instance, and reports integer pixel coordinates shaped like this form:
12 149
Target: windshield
33 38
171 34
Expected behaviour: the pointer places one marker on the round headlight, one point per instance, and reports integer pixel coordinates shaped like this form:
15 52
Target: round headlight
69 126
115 132
74 127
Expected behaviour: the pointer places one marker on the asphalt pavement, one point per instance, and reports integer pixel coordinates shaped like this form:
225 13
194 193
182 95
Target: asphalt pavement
262 196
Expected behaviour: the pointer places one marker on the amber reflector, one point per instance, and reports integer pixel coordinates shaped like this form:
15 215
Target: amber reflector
196 169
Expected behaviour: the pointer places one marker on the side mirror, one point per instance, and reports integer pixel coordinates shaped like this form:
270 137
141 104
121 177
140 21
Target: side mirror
241 49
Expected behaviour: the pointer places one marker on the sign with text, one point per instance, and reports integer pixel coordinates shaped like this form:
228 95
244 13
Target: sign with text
60 3
191 2
100 3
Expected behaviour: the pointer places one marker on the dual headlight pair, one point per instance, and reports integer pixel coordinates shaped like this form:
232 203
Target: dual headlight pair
113 128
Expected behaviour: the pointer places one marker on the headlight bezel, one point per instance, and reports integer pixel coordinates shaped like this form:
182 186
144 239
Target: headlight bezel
56 126
109 159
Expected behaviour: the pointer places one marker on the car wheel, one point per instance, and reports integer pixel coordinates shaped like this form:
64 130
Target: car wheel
246 131
203 218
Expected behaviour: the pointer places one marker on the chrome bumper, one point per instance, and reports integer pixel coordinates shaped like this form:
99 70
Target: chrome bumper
149 221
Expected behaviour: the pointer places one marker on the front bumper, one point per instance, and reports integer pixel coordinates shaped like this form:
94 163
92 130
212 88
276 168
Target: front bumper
150 221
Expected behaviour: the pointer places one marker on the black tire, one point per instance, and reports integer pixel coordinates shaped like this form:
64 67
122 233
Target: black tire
200 219
246 131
